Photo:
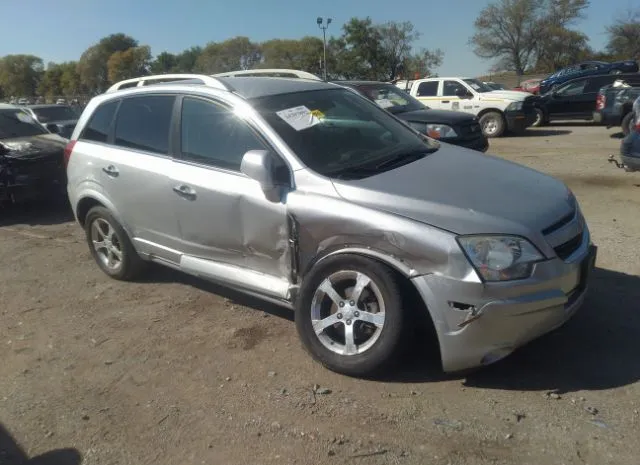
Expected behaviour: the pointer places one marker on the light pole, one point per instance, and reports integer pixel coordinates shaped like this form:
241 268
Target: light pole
322 25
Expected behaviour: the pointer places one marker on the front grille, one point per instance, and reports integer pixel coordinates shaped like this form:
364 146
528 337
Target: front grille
564 251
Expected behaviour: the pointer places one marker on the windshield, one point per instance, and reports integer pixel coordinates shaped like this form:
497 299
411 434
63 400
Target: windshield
57 113
478 86
17 123
339 134
390 97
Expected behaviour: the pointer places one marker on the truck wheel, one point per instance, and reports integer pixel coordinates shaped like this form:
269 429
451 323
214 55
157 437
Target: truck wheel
540 118
349 315
492 124
626 123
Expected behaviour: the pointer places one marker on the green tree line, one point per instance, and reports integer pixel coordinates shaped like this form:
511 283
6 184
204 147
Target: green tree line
363 50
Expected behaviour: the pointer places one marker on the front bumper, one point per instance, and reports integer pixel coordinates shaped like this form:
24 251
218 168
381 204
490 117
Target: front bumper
504 316
518 121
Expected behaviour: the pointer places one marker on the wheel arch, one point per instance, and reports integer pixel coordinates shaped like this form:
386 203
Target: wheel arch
484 111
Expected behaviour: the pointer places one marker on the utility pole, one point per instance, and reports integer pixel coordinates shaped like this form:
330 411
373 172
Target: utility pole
323 23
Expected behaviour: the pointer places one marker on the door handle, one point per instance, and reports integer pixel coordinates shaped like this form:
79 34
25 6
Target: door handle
185 191
111 170
446 101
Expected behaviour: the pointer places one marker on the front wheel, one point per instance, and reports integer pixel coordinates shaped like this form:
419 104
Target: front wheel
492 124
350 316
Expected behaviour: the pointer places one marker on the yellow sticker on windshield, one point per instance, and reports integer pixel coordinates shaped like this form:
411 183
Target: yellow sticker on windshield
317 113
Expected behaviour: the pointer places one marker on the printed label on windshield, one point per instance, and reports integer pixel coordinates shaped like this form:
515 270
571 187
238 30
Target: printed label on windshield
385 103
23 117
301 117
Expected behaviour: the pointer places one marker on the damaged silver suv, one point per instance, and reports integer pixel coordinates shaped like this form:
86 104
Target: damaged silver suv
306 194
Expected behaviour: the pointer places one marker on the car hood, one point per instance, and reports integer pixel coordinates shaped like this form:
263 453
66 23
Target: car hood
515 95
34 146
465 192
436 116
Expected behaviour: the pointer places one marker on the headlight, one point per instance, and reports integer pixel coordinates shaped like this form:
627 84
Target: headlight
500 258
515 106
440 131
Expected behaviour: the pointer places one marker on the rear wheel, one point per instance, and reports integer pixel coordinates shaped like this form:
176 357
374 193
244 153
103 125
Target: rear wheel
110 246
540 118
350 316
626 123
492 124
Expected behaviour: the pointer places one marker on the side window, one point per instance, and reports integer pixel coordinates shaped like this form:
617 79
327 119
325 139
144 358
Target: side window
428 89
100 123
575 88
144 122
449 88
213 135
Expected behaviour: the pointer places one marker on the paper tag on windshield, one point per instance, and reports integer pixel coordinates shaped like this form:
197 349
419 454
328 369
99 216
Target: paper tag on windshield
384 102
23 117
299 118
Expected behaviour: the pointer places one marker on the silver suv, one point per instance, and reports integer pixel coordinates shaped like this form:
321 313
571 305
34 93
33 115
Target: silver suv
306 194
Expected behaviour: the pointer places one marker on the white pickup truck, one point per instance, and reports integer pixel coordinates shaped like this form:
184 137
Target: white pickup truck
497 110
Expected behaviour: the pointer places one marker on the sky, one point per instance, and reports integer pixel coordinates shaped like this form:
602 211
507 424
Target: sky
61 30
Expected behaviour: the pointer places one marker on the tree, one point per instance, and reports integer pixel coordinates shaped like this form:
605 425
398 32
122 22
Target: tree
230 55
186 61
130 63
421 63
517 32
304 54
70 83
624 36
92 66
396 40
20 74
164 63
359 52
49 85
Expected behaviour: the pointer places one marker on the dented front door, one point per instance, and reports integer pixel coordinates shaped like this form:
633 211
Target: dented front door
223 215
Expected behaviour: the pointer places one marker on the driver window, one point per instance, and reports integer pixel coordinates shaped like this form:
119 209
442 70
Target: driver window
450 88
575 88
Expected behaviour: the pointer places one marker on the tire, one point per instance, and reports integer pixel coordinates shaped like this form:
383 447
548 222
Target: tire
376 341
492 124
129 264
626 123
540 119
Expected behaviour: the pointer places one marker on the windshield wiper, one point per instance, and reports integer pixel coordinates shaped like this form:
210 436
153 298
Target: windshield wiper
401 158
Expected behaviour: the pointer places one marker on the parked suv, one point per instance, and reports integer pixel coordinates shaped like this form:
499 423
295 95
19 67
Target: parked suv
303 193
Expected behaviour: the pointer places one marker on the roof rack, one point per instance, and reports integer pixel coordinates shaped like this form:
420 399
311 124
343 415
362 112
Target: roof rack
270 72
165 79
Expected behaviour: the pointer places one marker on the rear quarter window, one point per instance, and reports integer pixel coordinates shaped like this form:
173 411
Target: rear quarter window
99 125
144 122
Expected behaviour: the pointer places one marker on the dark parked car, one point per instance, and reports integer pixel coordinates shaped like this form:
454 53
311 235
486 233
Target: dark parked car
31 158
453 127
630 146
575 99
60 119
586 68
614 105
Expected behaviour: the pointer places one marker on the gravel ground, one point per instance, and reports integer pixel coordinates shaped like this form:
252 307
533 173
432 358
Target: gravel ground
177 371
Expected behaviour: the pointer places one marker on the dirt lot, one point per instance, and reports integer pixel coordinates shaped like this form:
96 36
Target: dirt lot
178 371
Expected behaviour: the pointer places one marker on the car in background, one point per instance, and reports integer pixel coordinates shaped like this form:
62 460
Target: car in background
530 85
586 68
31 158
59 119
453 127
614 104
630 145
575 99
23 101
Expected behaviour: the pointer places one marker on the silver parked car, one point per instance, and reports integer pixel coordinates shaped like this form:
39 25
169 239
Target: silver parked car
306 194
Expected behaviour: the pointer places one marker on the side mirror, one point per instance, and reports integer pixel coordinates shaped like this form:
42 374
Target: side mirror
53 128
259 166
